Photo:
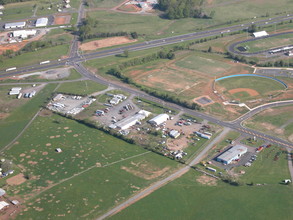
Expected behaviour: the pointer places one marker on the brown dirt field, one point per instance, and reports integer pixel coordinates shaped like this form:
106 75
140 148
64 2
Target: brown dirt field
111 41
16 180
251 92
63 19
15 47
207 180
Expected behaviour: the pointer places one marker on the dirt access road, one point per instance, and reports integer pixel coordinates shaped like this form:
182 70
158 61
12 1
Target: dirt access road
168 179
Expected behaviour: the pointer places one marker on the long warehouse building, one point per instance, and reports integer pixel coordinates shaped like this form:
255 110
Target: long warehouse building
233 153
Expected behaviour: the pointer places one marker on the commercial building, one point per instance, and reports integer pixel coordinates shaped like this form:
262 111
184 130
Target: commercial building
159 119
24 33
15 25
132 120
233 153
42 22
260 34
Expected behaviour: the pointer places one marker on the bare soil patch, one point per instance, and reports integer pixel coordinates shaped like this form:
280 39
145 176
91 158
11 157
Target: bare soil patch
16 180
207 180
129 8
111 41
145 170
251 92
62 19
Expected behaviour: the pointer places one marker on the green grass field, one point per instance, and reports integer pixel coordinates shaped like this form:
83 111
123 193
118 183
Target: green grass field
11 126
276 121
267 169
268 43
94 172
85 87
209 64
186 198
104 3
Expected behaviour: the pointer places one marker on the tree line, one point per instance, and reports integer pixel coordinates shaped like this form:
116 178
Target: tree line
176 9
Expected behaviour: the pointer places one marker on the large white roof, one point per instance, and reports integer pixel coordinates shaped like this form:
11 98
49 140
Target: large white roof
260 34
159 119
42 22
232 153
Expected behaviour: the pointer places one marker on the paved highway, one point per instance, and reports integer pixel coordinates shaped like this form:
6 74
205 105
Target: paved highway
144 45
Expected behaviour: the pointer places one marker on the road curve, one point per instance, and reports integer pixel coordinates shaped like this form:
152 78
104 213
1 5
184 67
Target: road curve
232 46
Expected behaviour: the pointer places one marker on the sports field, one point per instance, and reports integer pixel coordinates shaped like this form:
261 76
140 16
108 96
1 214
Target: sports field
196 196
208 64
268 43
276 121
93 172
247 88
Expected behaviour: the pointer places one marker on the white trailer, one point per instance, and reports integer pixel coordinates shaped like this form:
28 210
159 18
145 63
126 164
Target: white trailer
10 69
45 62
19 95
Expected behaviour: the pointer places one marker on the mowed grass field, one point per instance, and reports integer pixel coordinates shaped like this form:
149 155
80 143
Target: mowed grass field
248 87
104 3
208 64
275 121
94 172
85 87
187 198
20 113
268 43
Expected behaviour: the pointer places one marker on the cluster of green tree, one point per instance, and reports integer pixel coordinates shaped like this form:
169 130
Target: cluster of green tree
175 9
4 2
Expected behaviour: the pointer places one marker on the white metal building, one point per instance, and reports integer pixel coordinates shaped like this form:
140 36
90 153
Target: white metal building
233 153
24 33
15 25
3 204
260 34
42 22
132 120
159 119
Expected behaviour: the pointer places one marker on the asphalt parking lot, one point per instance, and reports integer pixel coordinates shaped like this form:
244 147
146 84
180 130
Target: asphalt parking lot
114 112
275 72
